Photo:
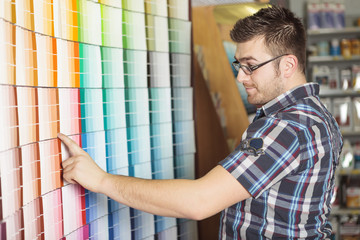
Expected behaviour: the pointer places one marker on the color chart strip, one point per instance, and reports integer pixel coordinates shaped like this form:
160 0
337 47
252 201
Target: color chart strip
115 77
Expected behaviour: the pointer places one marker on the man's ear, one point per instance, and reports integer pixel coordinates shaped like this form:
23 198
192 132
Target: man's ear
289 64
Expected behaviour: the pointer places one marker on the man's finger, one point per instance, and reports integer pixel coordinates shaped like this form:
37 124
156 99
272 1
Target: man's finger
67 162
73 147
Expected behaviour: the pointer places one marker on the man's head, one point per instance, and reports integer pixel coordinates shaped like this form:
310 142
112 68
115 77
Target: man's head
270 53
282 31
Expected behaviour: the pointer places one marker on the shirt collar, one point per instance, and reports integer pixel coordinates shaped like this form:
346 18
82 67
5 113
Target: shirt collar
289 98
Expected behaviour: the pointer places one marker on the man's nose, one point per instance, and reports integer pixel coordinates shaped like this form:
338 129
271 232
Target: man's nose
242 76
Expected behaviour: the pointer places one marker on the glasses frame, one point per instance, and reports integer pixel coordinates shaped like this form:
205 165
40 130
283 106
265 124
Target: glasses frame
249 70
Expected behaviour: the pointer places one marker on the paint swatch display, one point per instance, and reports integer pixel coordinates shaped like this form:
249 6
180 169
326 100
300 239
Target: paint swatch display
115 77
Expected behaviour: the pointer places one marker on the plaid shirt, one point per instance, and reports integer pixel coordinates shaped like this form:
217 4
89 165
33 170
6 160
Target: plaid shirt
286 161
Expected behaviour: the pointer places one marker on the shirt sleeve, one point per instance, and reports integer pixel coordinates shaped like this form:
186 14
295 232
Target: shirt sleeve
268 152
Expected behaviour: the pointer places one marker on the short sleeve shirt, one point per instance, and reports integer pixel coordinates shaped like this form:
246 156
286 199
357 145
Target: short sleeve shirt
286 161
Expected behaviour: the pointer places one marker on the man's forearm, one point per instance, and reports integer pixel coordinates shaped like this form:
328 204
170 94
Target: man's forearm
172 198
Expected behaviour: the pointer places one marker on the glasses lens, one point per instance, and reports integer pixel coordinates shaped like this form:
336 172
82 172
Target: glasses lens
236 66
246 70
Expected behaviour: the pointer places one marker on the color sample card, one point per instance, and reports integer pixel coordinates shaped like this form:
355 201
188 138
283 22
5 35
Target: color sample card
46 61
11 182
161 147
91 105
69 111
135 69
178 9
182 104
26 64
25 14
74 214
7 11
111 30
184 166
138 145
27 101
66 24
89 16
184 141
157 33
137 106
7 52
115 77
179 36
31 175
133 5
112 67
50 165
9 124
133 27
68 63
160 105
158 69
90 66
48 108
53 215
44 17
114 108
112 3
180 65
156 7
116 150
34 219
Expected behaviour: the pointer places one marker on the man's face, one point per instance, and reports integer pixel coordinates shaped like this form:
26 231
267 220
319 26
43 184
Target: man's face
264 84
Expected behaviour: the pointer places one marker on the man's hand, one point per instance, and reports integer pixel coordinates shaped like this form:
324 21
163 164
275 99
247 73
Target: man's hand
80 167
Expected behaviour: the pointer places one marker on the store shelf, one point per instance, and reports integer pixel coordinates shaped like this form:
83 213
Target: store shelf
329 59
324 92
346 211
333 31
353 172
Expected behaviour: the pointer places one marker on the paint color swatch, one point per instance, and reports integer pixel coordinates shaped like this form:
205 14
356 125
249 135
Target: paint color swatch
90 66
27 101
135 69
48 108
69 110
68 63
9 123
111 29
133 27
46 61
115 77
44 17
158 69
11 182
180 65
179 36
156 7
7 52
89 16
112 67
26 64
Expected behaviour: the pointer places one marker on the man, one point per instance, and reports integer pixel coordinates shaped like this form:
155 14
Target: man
279 181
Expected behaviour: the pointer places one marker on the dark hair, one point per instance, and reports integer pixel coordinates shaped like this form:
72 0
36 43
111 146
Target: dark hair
283 32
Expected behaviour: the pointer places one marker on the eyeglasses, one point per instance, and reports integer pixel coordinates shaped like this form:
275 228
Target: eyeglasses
248 70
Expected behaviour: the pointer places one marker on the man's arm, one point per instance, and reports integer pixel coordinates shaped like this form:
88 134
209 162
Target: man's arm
181 198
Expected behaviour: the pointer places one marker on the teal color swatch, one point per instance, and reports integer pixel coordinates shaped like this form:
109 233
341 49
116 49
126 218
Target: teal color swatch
112 67
91 105
135 69
114 108
90 66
